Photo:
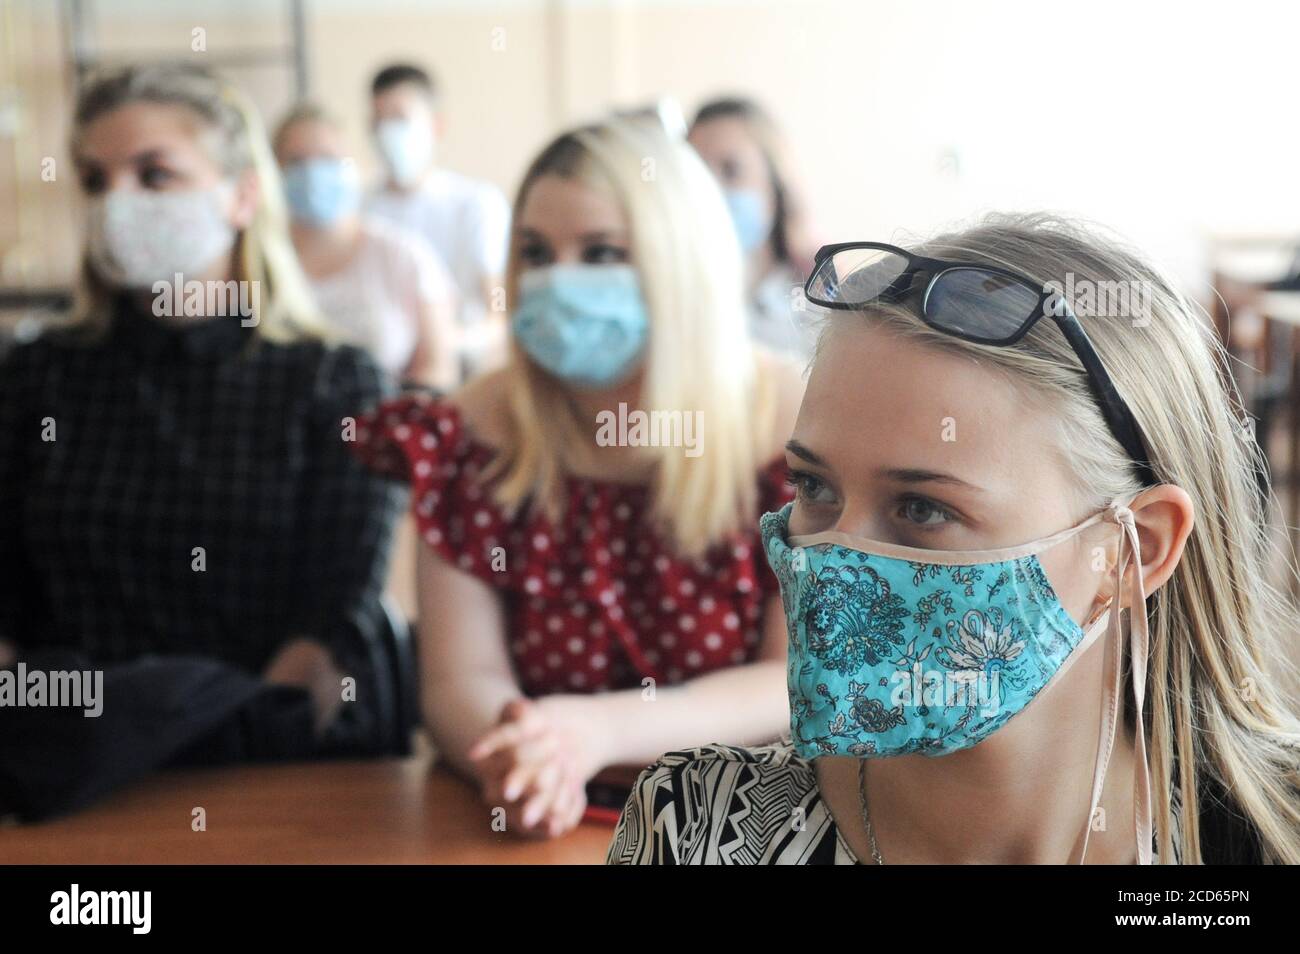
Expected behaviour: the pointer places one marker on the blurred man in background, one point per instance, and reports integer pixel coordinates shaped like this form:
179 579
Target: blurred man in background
465 220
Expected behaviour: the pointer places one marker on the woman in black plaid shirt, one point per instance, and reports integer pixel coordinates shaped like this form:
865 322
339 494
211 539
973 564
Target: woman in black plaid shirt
174 476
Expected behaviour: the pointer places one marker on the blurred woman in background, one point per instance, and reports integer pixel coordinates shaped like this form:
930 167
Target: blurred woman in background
748 156
383 287
590 593
173 476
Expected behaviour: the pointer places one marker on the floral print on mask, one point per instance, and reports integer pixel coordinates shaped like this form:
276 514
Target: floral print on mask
891 656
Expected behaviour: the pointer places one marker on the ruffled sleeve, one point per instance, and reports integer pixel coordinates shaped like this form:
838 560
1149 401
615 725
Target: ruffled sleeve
423 441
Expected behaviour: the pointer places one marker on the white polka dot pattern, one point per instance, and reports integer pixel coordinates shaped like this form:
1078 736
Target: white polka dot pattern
598 607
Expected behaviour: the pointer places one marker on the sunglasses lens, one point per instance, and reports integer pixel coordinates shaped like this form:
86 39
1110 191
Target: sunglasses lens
855 276
980 304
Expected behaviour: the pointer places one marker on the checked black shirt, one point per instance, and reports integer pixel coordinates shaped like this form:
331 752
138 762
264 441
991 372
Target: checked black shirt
188 491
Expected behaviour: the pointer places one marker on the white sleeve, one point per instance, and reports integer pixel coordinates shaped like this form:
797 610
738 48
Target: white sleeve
433 283
491 230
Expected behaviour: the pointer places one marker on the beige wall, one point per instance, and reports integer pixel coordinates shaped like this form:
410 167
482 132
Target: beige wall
1168 120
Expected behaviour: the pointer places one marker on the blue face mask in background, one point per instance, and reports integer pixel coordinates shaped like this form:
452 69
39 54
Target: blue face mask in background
586 324
321 191
749 216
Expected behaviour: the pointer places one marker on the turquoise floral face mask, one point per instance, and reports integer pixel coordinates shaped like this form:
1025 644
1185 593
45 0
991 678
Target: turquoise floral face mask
896 650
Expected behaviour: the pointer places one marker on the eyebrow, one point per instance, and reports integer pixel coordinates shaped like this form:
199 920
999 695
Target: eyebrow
906 475
803 453
526 230
909 475
147 155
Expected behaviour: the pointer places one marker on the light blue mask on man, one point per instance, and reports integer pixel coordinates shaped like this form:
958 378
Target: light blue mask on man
896 650
586 324
321 190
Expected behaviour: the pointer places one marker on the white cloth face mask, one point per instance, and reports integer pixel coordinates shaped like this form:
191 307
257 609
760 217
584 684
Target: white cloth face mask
138 237
407 148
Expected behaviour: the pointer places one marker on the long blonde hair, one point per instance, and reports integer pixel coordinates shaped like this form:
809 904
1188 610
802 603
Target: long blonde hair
265 254
698 357
1224 730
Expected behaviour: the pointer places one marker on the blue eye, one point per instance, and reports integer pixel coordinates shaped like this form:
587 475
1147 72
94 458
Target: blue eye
156 177
534 254
603 253
810 488
924 512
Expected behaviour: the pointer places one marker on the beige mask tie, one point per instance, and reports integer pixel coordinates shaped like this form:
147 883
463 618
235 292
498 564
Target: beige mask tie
1112 688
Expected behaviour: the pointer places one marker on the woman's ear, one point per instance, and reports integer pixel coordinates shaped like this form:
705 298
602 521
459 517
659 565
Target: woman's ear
247 193
1164 515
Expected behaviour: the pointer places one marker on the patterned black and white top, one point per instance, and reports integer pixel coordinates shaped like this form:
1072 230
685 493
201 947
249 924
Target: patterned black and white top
726 805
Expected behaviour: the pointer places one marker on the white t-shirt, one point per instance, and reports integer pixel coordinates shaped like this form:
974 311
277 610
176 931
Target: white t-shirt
375 300
465 220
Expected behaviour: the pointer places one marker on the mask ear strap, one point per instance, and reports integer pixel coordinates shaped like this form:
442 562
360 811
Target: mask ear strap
1139 647
1112 688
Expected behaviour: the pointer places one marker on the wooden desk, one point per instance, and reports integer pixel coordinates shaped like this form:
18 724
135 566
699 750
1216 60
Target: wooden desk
383 812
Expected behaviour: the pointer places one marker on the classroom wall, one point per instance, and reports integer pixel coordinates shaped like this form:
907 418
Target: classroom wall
1153 117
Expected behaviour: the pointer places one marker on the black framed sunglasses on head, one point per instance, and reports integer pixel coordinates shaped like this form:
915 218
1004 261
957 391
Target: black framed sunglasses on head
980 303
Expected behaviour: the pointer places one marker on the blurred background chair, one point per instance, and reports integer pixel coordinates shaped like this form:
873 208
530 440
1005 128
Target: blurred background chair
394 661
1256 313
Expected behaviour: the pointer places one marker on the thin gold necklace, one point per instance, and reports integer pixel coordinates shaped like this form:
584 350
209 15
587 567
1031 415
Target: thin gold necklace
876 856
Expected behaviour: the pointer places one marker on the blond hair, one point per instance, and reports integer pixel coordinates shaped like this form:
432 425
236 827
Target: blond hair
1224 733
302 112
698 357
265 254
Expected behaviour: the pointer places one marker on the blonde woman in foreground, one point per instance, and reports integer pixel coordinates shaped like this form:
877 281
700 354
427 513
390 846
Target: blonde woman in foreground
591 594
1025 582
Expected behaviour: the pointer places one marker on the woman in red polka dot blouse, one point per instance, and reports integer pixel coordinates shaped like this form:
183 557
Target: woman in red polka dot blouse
592 591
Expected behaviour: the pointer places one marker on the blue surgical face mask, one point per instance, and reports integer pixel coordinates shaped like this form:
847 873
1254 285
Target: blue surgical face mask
586 324
750 217
321 190
896 650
